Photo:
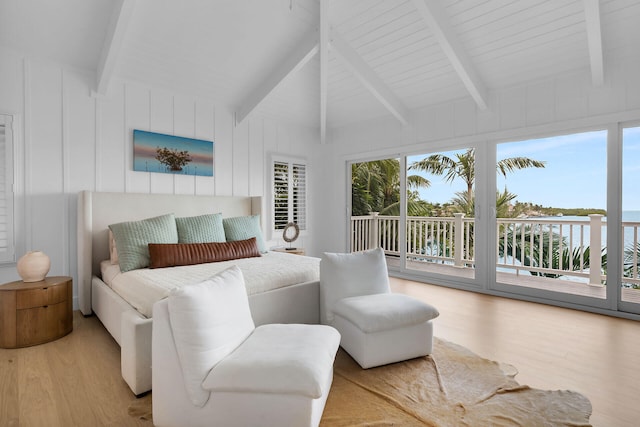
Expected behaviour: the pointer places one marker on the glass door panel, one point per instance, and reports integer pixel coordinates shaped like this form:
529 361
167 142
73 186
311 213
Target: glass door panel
550 215
630 283
440 213
375 207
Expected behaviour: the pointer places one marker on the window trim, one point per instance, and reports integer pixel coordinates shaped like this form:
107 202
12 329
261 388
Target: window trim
290 161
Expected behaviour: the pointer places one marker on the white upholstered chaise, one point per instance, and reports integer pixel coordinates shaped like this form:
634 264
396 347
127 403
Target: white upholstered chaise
213 367
377 327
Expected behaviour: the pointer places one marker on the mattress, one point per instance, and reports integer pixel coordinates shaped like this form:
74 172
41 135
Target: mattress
142 288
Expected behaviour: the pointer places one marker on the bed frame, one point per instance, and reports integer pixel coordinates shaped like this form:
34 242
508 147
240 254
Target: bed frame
131 330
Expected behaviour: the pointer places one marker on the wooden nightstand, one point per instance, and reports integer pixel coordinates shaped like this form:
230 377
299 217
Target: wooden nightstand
295 251
35 313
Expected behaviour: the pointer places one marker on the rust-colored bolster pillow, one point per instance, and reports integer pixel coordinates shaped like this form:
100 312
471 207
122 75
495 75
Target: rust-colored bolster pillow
175 254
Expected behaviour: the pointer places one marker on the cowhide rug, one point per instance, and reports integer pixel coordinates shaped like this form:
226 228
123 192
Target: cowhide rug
451 387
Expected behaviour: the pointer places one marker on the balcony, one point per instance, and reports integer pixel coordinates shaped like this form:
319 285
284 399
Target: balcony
542 253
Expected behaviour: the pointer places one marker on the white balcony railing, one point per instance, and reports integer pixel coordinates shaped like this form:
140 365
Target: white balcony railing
451 241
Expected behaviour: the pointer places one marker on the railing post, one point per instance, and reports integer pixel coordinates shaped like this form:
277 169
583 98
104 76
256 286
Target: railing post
457 244
374 231
595 249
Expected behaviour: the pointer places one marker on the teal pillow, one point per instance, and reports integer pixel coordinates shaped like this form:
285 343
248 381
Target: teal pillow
200 229
243 228
133 237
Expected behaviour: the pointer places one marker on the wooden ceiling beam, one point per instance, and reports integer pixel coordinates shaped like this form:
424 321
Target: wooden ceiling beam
594 38
368 77
303 53
113 41
439 24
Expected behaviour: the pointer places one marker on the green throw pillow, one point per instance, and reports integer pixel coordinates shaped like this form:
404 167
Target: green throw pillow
200 229
133 237
244 227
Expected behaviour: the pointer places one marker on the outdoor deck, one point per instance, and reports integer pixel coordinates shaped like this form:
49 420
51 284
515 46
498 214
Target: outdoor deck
536 282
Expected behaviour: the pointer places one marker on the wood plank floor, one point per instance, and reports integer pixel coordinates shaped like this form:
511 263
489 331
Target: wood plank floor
552 347
75 381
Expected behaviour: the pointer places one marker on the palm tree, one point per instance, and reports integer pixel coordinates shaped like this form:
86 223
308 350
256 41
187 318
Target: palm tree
463 166
375 186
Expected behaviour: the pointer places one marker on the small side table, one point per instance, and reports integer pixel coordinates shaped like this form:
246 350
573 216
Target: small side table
36 312
295 251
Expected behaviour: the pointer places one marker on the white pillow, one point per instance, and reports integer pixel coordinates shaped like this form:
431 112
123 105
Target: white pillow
209 320
351 275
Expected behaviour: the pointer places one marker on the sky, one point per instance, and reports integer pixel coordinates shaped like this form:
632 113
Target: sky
574 175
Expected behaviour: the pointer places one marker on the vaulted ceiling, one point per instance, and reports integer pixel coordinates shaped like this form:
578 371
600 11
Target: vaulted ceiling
326 63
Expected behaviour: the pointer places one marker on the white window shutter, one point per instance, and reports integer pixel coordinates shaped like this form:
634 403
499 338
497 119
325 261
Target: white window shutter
280 195
6 189
299 196
289 193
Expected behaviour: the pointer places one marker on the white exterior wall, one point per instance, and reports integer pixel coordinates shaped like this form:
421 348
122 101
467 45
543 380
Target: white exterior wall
558 105
68 140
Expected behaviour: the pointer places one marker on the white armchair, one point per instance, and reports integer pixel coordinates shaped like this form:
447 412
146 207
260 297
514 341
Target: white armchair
377 327
211 366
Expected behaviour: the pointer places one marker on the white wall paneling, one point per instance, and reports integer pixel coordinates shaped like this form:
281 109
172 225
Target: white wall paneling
540 105
241 159
111 144
47 206
74 140
205 128
257 173
161 120
223 153
137 116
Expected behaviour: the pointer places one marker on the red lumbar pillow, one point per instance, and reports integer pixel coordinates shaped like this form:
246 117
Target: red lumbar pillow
175 254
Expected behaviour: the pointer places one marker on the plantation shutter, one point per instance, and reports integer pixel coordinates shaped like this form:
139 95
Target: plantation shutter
299 199
6 189
289 194
280 194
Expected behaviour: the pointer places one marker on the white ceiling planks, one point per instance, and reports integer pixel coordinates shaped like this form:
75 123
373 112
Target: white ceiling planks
368 77
235 52
276 78
438 23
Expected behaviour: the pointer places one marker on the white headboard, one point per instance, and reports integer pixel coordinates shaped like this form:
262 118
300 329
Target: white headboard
97 210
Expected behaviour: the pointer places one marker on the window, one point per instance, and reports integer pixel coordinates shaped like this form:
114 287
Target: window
289 193
6 189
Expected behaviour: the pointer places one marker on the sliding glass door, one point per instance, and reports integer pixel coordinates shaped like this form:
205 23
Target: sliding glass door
375 207
440 211
630 283
524 217
551 217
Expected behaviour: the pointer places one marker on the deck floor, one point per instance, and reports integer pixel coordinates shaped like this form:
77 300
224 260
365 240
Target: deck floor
535 282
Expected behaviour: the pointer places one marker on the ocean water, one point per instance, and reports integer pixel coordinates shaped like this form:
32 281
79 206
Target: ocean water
627 216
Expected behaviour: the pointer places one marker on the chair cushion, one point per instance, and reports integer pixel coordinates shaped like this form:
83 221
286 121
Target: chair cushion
286 359
209 320
384 312
349 275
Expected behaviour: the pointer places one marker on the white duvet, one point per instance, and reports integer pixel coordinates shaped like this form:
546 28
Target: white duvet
273 270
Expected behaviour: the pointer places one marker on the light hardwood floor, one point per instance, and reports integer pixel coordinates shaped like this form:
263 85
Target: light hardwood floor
75 381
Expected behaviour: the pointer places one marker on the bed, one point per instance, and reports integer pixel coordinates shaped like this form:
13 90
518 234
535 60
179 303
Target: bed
129 326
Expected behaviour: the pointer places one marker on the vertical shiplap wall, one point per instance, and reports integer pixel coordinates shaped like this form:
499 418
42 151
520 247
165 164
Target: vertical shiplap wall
72 140
564 104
